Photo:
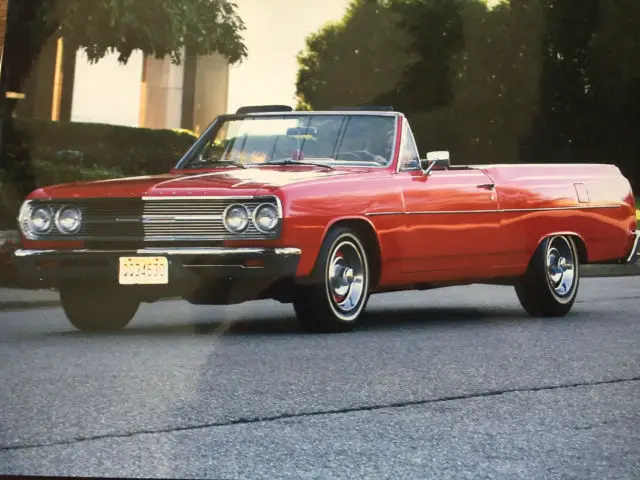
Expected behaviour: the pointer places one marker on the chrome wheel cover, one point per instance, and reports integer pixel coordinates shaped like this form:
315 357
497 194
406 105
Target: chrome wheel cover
560 265
346 279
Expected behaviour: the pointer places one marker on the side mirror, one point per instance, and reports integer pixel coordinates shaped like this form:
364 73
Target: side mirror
435 159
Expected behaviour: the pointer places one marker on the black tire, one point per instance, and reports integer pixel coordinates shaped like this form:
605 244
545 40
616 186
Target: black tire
97 308
550 285
318 306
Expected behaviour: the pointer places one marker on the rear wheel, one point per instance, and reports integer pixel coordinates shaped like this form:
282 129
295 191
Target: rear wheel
550 285
94 308
340 284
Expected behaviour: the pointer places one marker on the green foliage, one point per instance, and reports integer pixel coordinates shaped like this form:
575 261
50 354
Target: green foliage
132 151
157 27
353 61
526 80
496 97
52 173
45 153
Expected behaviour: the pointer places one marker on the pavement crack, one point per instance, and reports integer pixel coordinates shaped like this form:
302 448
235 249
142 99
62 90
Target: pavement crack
338 411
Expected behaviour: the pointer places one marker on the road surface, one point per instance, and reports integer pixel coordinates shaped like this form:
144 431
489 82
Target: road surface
452 383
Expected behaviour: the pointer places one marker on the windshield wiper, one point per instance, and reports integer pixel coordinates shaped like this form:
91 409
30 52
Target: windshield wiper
298 162
224 165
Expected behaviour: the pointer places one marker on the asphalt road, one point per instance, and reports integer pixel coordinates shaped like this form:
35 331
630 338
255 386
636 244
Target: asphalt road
452 383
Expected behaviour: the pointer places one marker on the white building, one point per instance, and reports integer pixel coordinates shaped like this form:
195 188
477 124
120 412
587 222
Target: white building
147 92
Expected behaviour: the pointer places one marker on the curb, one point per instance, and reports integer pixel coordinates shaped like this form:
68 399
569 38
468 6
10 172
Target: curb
603 271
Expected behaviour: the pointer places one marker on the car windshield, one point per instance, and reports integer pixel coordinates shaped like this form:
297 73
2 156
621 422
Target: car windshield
358 140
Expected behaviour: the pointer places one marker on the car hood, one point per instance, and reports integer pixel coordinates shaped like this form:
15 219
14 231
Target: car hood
237 181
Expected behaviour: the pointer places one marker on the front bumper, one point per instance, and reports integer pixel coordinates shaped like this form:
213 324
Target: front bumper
50 267
632 256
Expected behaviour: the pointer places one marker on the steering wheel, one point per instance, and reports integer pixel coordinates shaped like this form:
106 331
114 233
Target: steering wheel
359 154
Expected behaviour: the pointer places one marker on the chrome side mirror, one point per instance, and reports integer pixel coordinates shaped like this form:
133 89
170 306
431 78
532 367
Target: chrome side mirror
435 159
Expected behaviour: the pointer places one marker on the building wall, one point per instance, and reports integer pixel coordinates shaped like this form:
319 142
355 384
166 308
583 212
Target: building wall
211 90
107 92
161 95
152 93
149 92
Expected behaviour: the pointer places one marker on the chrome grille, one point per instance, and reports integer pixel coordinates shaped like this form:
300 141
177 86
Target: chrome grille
167 219
200 219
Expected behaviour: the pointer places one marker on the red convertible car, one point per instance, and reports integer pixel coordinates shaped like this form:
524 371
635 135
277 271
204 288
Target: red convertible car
322 209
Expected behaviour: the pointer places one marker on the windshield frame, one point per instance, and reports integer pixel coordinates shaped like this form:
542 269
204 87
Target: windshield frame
217 123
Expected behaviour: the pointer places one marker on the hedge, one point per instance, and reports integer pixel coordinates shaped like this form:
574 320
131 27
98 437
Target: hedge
38 153
128 149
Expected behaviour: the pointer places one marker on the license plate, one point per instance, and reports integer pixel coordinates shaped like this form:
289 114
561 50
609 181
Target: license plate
143 271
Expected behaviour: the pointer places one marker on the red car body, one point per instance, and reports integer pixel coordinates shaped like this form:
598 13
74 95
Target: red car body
448 226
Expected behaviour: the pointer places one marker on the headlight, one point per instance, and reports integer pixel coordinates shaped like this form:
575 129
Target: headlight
34 220
41 220
69 220
236 218
265 218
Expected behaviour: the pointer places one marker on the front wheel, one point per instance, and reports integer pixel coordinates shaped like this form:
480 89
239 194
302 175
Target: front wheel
340 285
550 285
94 308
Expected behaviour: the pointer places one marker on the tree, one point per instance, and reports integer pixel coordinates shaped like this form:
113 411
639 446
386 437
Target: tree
3 21
496 94
436 31
614 83
565 96
156 27
353 61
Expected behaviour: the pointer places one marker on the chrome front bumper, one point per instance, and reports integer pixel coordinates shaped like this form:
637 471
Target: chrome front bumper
53 266
183 251
632 257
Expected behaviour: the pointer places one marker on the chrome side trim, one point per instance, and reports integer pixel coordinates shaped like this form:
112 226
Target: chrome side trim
214 251
633 256
500 210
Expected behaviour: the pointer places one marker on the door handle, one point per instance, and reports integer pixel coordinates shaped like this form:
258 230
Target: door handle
487 186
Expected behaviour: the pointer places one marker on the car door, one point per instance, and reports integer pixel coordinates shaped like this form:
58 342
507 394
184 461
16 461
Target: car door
452 220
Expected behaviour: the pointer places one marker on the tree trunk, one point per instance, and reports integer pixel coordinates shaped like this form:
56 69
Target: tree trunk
27 30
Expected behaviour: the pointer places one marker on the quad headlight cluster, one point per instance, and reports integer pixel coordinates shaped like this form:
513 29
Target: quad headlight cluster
265 218
39 220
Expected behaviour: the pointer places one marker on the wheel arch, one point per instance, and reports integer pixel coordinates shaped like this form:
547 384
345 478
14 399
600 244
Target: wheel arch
369 239
581 244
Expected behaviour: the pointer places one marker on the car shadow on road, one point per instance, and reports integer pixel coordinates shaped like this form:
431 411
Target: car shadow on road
373 320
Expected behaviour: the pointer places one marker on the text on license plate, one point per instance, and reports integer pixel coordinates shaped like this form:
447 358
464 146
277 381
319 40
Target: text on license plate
143 271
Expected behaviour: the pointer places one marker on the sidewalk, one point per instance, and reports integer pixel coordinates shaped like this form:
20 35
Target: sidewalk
590 271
